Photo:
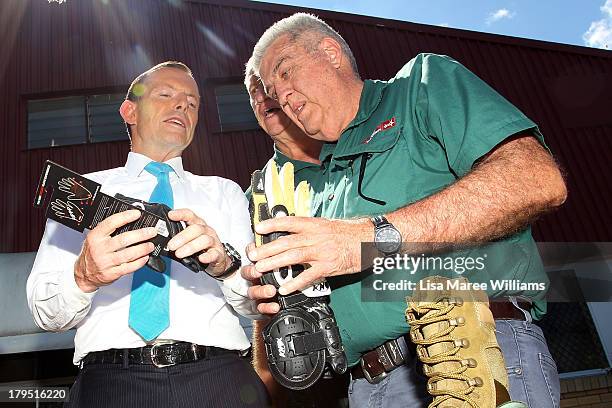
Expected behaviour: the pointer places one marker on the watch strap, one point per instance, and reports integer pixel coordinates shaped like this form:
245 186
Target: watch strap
234 256
379 221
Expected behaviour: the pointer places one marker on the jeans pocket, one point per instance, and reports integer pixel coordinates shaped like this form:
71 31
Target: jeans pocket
534 331
551 377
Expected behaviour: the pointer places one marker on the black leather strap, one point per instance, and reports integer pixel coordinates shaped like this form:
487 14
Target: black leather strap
503 309
160 355
234 257
384 359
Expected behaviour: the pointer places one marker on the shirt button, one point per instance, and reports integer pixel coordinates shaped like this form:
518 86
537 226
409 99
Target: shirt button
331 197
518 370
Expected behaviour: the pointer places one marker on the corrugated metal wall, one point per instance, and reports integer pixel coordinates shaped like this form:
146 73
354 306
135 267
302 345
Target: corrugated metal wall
102 44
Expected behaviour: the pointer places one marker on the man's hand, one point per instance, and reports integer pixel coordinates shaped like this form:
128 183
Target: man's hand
330 247
104 259
260 293
200 238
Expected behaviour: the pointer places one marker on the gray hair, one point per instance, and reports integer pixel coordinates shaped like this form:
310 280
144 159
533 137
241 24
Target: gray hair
295 27
249 71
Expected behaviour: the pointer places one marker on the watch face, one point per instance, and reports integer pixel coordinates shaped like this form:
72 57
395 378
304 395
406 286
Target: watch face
388 240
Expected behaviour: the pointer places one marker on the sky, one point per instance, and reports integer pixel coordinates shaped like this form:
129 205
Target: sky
578 22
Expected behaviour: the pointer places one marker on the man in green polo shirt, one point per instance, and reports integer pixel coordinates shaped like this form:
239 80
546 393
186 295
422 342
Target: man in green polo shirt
443 158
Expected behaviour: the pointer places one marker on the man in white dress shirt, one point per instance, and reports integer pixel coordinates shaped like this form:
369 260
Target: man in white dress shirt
88 281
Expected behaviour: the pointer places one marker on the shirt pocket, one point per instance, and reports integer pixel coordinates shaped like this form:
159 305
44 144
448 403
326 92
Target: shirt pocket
378 173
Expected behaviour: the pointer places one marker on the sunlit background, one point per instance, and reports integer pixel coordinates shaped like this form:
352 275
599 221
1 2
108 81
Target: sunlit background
578 22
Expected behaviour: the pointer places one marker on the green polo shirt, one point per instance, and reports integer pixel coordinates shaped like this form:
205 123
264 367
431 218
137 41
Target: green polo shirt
417 133
303 171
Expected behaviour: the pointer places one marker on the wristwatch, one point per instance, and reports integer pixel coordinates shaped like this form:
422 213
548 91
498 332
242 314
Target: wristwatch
387 238
234 257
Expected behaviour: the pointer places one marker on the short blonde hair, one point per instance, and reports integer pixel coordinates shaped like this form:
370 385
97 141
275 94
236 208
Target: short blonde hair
140 79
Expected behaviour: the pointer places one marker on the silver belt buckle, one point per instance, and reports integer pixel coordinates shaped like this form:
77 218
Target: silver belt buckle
394 353
153 354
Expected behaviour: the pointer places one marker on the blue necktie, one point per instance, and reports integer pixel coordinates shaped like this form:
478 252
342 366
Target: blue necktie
149 301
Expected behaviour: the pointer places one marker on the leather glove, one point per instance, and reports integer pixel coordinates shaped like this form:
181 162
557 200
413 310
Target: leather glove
156 261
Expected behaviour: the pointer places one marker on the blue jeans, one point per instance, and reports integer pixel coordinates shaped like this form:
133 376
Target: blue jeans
531 371
405 386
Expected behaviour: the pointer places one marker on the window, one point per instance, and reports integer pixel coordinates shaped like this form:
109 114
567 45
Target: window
573 338
75 120
234 108
105 122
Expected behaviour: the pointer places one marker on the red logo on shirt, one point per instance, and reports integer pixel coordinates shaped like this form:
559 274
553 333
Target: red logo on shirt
386 125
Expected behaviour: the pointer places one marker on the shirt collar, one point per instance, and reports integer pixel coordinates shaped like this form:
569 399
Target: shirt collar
136 163
280 158
370 98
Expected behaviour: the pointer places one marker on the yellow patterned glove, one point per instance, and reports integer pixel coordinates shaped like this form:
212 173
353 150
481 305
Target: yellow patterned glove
274 195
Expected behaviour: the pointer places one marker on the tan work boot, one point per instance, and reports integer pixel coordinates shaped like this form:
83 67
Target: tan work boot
454 332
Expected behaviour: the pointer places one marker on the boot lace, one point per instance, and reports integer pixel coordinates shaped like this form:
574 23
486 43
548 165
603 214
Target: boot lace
440 311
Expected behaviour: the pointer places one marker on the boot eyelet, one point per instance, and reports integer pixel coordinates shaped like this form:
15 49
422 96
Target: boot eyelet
463 343
457 301
469 362
476 382
415 335
459 321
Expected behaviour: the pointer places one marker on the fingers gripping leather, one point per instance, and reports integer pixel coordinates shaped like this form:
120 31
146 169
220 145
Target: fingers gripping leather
174 227
303 339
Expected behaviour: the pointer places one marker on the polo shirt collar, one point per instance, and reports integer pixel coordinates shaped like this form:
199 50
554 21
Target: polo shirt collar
136 163
280 159
370 98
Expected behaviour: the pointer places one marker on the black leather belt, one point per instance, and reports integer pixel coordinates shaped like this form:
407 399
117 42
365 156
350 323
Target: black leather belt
376 364
160 354
504 309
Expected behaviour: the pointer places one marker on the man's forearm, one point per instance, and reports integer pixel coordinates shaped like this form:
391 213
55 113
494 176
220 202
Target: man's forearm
260 362
56 302
510 187
54 298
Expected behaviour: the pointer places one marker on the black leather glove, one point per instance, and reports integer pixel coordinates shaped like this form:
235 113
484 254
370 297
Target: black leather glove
156 262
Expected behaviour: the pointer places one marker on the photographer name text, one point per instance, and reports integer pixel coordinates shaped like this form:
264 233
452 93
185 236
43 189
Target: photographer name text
455 284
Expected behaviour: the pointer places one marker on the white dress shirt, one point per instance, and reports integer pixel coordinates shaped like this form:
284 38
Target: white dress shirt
202 309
